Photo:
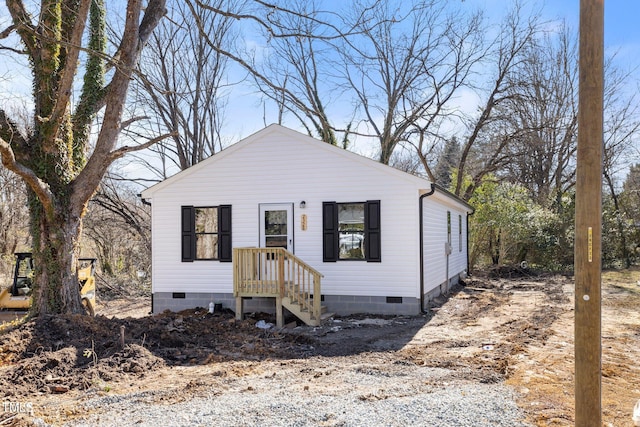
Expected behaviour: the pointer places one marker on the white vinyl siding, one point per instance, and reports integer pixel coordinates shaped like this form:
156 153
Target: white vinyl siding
435 238
278 165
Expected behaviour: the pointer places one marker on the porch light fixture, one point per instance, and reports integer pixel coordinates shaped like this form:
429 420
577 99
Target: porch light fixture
303 204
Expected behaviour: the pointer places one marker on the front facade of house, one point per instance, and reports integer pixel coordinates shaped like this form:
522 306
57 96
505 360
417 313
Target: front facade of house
354 220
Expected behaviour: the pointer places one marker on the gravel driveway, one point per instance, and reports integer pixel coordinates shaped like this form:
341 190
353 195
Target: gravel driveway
378 393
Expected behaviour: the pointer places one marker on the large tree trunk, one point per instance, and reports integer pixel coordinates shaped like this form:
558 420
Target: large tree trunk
56 250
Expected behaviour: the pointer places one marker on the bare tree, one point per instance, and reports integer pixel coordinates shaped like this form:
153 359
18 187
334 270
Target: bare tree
14 212
621 134
184 82
483 146
540 125
14 216
302 66
118 229
57 160
405 70
543 105
298 34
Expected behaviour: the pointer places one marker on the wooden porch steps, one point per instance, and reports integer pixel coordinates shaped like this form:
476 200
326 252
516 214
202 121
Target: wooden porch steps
277 273
305 314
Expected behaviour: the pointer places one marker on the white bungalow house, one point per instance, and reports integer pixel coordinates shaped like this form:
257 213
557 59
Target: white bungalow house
280 218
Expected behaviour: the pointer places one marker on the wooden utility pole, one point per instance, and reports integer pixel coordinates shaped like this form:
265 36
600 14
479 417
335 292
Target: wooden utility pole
588 349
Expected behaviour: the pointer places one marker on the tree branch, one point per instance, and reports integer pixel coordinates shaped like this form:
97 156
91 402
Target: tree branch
244 64
116 154
71 63
7 31
270 22
14 50
152 15
125 124
22 22
103 155
40 188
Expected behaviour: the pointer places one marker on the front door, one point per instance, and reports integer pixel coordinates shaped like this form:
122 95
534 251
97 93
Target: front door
276 225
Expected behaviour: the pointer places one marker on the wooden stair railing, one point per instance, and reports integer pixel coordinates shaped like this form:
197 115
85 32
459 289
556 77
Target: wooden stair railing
277 273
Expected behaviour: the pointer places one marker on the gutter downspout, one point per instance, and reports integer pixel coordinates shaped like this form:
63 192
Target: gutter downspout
146 202
421 233
468 265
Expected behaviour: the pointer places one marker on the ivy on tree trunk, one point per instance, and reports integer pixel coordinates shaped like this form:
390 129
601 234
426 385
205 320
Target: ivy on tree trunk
54 158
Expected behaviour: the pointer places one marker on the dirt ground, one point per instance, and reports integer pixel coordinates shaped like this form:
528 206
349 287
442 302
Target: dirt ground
513 330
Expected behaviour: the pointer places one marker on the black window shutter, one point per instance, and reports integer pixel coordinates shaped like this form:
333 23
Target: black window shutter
373 250
330 237
188 233
225 251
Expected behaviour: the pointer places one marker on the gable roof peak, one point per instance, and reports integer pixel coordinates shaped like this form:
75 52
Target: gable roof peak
275 128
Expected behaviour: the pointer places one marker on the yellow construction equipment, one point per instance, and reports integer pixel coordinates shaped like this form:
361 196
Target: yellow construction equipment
18 295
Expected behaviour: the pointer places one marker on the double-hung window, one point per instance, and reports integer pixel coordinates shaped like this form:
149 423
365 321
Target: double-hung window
351 231
206 233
